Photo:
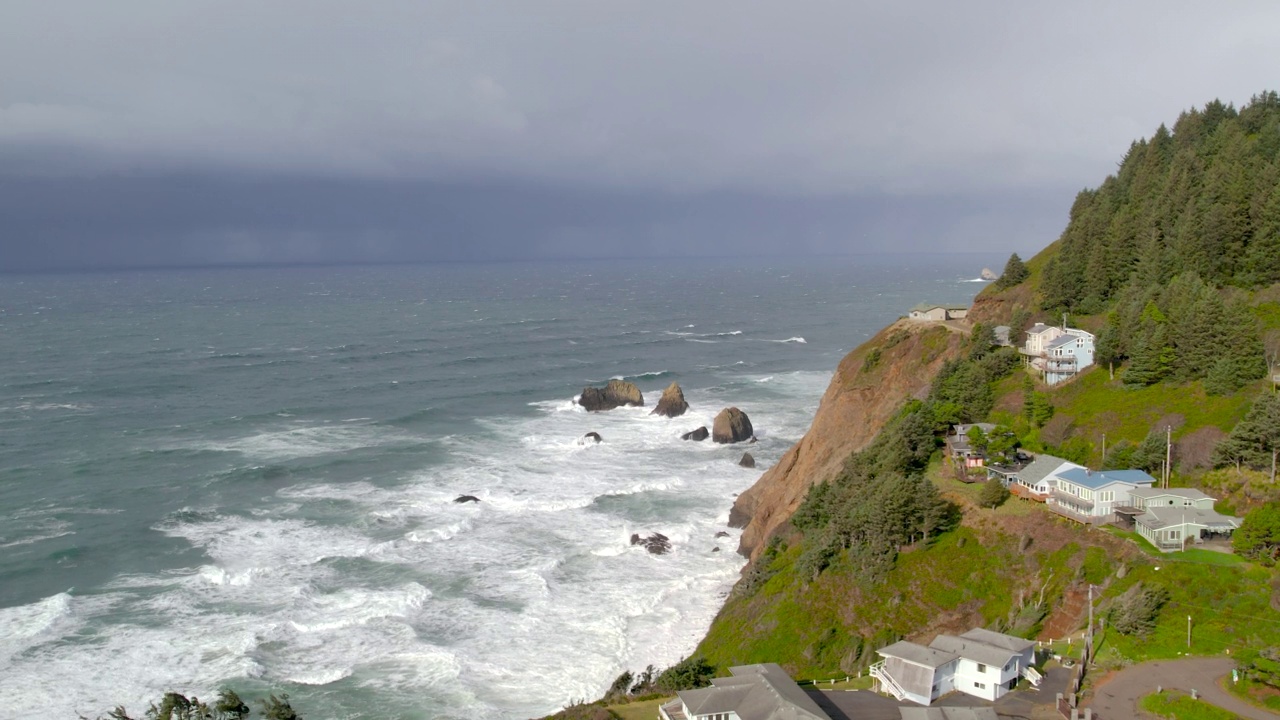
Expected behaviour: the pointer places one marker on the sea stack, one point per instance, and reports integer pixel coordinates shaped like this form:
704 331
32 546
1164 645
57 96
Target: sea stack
731 426
672 404
616 394
747 461
696 435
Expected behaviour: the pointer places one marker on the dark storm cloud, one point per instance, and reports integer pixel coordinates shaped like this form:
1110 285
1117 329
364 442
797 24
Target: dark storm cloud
959 123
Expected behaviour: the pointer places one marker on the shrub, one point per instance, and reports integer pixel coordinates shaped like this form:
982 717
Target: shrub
1135 612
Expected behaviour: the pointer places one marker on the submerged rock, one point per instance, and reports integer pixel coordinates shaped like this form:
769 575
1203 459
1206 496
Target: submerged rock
657 543
615 394
747 461
722 534
672 402
593 436
715 549
731 426
696 435
466 499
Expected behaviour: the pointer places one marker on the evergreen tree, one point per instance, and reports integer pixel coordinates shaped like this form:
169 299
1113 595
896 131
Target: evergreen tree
1259 535
993 494
1015 271
1255 440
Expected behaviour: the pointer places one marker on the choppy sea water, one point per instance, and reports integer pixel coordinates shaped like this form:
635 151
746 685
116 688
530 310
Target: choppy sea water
246 477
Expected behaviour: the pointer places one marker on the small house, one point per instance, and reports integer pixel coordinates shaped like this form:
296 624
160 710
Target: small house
961 451
752 691
926 311
1170 518
1090 496
982 663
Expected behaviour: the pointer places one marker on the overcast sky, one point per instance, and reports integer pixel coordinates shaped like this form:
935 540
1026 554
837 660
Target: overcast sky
155 132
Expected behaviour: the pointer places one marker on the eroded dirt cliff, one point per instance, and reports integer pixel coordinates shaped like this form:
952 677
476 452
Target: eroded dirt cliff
869 386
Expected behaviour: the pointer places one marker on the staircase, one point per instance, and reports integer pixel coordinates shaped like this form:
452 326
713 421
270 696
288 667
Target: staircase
1032 675
887 683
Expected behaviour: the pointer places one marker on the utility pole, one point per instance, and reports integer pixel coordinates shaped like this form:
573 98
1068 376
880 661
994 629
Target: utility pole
1188 632
1168 454
1103 466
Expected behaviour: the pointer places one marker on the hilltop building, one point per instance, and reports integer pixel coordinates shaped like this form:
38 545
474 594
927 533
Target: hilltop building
754 692
961 451
982 663
926 311
1058 353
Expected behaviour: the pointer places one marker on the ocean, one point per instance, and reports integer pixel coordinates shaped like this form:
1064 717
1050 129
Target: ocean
246 477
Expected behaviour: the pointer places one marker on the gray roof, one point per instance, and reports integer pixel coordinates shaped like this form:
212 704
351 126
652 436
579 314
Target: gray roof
918 654
948 713
998 639
754 692
924 307
1152 492
1038 328
975 650
1040 468
1162 517
1060 341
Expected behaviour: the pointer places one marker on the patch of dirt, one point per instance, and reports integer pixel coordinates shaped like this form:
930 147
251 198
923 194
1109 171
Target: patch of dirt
1067 615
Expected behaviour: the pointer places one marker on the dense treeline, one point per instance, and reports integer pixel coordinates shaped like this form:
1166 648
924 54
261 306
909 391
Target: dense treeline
1202 198
1180 331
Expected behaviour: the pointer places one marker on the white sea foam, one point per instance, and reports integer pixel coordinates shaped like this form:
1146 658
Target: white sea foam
504 608
305 441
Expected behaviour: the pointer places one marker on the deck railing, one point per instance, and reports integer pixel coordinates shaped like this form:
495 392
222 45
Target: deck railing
887 682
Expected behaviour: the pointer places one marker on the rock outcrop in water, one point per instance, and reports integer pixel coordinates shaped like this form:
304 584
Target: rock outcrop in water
466 499
697 435
672 403
855 406
657 543
615 394
731 426
747 461
593 437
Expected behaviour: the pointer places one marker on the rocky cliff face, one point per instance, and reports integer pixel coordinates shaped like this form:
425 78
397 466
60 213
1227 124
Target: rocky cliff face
869 386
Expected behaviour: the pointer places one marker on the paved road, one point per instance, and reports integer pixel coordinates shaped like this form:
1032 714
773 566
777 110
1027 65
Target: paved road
1117 698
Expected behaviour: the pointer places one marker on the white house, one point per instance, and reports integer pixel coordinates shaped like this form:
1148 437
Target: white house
982 663
927 311
1059 353
1169 518
1092 496
754 691
1035 480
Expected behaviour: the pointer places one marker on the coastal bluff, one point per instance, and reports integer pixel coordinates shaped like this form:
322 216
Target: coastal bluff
869 386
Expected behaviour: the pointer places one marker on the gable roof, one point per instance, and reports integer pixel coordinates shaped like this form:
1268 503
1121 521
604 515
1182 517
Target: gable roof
999 639
1042 467
919 654
1154 492
1094 480
755 692
925 307
974 650
1161 517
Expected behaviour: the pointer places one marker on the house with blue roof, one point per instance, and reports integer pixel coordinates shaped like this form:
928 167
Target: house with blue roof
1093 496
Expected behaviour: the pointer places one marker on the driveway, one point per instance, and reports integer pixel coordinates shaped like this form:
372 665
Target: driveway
1117 697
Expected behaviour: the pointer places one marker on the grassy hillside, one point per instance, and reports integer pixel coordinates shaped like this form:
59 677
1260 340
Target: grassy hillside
991 571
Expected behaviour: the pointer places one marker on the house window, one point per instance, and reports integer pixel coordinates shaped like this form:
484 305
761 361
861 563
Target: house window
980 686
982 668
